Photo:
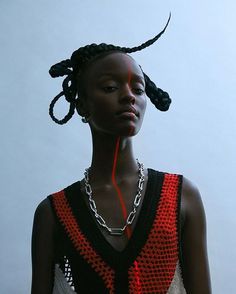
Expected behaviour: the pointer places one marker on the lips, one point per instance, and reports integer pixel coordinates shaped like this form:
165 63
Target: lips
129 109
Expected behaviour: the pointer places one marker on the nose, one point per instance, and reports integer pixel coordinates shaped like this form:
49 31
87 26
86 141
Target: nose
127 94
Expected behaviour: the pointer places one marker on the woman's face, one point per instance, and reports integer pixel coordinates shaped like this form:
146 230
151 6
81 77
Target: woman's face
113 84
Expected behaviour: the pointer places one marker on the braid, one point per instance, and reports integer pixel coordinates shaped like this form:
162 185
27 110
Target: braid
67 117
147 43
157 96
81 57
69 90
61 69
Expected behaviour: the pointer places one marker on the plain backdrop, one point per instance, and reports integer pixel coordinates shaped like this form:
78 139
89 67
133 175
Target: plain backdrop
194 61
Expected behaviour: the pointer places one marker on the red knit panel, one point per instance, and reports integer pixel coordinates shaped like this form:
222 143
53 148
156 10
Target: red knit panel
80 242
154 268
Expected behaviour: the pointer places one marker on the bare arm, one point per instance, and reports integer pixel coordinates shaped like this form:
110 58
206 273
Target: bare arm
43 249
196 273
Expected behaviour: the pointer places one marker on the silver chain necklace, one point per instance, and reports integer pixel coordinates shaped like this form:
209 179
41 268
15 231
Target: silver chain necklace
131 216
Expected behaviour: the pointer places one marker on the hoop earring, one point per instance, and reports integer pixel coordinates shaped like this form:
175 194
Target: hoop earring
84 120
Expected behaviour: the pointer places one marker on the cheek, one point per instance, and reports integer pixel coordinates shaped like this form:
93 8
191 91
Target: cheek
99 105
102 110
143 104
145 101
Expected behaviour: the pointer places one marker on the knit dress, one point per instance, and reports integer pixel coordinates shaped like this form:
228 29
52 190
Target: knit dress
151 261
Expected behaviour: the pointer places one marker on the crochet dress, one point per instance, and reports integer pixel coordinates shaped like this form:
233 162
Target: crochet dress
151 261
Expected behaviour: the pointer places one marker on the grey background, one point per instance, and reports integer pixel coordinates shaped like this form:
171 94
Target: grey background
194 61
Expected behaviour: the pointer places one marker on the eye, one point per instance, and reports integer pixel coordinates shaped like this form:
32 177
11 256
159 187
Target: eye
109 89
139 91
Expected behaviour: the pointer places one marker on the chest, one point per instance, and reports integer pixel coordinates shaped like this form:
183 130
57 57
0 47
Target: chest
121 263
115 204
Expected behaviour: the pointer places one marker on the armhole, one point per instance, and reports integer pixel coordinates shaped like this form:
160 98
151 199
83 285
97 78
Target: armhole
63 277
50 198
59 230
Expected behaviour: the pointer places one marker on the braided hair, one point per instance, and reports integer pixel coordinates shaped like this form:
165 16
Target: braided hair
80 58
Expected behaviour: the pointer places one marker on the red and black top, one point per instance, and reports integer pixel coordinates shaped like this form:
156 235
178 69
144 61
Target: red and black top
148 262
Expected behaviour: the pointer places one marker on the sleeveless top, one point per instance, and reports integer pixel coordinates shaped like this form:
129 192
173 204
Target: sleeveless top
151 261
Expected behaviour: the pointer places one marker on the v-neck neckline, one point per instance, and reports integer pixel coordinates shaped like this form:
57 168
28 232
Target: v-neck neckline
141 229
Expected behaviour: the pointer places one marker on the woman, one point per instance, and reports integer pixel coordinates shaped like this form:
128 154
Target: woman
123 228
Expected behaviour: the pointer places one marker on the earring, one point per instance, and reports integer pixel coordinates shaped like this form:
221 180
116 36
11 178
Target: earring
84 119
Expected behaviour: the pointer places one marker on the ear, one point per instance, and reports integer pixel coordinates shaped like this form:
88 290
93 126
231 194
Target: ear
81 107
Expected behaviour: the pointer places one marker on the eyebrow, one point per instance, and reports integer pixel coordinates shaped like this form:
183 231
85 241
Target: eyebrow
112 75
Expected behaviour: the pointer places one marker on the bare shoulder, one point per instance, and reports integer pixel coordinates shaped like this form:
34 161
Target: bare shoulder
43 248
44 208
196 272
44 213
190 190
191 201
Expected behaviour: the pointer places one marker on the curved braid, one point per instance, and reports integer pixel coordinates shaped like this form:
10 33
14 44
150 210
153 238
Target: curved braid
148 43
84 54
81 57
61 69
69 89
67 117
158 97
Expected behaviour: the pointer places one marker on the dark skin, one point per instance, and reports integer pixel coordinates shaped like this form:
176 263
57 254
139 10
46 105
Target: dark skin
110 84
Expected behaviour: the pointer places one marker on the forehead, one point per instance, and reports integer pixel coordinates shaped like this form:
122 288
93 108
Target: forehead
114 64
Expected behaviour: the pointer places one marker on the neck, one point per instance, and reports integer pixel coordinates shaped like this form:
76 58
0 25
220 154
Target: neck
112 157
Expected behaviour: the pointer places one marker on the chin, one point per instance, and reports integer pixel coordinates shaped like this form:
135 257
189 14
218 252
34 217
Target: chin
118 130
127 132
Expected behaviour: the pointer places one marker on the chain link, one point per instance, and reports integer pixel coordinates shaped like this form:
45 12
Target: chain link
132 214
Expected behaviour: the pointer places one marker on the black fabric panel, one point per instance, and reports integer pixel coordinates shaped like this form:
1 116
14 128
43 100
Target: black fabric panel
86 279
121 281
